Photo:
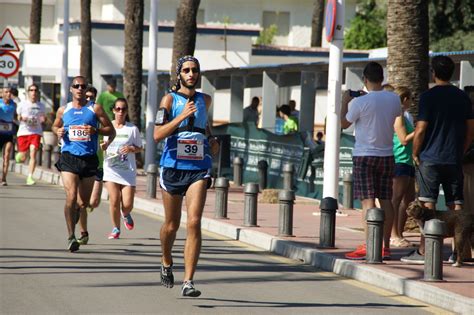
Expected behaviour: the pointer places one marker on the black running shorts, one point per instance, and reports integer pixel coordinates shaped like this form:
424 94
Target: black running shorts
4 139
177 182
84 166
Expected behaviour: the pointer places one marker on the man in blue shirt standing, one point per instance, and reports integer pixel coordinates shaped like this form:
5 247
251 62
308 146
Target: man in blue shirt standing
444 131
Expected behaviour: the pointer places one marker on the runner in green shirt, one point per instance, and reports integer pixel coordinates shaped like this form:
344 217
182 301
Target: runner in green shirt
106 99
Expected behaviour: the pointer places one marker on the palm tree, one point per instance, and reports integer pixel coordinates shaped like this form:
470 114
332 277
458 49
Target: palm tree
184 37
35 21
408 46
132 66
317 23
86 40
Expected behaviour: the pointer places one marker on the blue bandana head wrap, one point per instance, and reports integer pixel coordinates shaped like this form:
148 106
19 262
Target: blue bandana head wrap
182 60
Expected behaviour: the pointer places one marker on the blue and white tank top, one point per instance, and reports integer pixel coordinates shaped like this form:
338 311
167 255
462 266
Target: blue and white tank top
7 115
187 150
74 120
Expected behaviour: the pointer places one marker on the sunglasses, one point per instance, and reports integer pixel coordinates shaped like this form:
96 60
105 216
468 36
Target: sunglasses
187 70
77 86
120 109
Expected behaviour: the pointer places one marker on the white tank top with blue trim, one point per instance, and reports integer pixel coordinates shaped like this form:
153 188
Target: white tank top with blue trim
74 120
187 150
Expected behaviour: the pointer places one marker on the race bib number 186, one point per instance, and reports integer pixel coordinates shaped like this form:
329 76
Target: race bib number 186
190 149
78 133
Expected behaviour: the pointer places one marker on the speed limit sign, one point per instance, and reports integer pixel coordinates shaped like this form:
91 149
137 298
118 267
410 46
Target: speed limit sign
9 64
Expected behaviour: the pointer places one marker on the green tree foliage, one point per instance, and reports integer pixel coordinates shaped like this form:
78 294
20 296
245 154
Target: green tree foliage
367 29
267 35
451 25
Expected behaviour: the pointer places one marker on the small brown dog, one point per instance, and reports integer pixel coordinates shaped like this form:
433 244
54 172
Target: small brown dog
458 224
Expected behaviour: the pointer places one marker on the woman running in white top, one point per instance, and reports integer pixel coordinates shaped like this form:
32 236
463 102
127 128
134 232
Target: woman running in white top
120 169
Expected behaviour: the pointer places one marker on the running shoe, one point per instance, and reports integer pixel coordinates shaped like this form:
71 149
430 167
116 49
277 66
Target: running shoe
358 254
166 275
188 289
18 157
30 181
128 222
115 234
73 244
414 258
84 239
3 183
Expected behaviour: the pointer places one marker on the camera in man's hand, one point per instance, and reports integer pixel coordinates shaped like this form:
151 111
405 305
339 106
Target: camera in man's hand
354 93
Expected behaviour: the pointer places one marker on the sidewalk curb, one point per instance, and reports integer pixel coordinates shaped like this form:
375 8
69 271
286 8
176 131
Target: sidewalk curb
343 267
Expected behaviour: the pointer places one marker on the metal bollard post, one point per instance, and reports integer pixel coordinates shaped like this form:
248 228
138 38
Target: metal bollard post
375 218
250 208
262 174
286 199
151 173
222 189
55 155
39 155
238 165
348 199
47 155
434 231
327 224
288 172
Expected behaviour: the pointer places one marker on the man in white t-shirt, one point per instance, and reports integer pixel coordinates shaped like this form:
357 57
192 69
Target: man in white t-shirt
373 115
31 114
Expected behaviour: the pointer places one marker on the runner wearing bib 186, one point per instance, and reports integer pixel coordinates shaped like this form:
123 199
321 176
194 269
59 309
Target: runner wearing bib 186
185 163
77 125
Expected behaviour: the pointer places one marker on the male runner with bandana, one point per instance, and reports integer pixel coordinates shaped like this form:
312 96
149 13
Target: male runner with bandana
185 168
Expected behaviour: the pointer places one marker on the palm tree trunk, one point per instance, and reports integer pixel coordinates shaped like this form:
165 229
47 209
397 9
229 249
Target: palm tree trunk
408 46
132 72
184 37
317 23
86 40
35 21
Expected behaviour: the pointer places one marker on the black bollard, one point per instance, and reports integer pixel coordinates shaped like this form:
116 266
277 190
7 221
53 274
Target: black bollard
56 153
375 218
39 155
250 207
327 224
262 174
238 166
151 173
48 150
286 199
434 231
288 172
222 190
348 199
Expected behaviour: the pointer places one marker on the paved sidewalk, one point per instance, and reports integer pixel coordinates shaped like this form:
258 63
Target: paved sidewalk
456 293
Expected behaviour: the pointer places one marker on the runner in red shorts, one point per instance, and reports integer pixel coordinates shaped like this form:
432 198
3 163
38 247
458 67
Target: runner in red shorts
31 114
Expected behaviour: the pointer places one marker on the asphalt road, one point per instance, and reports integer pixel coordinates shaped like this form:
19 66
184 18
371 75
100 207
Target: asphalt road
38 275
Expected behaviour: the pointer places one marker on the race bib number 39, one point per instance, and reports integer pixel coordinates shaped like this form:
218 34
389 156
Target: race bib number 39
78 133
190 149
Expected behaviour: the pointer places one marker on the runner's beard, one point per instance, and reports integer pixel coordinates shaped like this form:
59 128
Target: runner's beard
183 82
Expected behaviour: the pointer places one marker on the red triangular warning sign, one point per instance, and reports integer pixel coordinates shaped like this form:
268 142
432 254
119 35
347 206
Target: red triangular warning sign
8 42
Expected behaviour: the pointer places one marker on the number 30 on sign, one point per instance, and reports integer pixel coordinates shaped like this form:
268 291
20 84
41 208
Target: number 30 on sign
9 64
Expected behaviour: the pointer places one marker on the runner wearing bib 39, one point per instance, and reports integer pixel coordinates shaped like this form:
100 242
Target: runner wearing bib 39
77 125
185 165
